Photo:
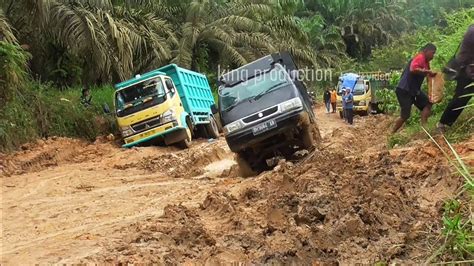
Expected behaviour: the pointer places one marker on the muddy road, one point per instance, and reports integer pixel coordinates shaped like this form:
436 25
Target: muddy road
352 200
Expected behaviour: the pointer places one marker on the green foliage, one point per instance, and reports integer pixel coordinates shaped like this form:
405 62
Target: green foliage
326 40
389 103
43 111
12 71
457 229
6 32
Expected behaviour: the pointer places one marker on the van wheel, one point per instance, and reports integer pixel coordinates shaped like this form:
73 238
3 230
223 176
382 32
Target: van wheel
245 169
310 136
307 138
212 128
186 143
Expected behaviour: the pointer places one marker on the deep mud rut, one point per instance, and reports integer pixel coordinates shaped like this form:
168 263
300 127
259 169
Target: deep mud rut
352 200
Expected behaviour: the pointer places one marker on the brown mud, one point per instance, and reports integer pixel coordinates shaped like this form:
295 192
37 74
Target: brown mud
352 200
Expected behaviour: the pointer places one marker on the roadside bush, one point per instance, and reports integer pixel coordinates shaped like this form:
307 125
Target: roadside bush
29 109
43 111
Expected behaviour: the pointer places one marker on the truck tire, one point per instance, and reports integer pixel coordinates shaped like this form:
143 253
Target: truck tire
212 128
202 131
245 169
186 143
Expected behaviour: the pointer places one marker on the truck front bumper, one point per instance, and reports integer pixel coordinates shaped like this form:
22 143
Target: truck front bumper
360 108
245 138
356 108
156 132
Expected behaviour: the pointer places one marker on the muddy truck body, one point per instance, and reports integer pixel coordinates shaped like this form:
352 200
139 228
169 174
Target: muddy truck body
170 105
266 112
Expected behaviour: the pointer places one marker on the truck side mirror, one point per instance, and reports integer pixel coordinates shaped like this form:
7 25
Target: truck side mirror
214 109
169 85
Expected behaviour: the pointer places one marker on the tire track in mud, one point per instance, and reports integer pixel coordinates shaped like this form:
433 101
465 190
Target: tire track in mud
354 201
51 207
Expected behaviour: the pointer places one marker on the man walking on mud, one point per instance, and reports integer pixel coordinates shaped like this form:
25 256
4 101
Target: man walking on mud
334 100
409 88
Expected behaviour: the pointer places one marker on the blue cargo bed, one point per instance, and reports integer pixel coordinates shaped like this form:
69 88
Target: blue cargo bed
194 91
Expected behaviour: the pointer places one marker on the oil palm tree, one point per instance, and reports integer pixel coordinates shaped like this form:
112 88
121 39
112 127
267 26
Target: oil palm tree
237 32
6 32
363 24
112 42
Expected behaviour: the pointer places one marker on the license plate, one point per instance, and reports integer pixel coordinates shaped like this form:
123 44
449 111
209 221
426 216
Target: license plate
264 127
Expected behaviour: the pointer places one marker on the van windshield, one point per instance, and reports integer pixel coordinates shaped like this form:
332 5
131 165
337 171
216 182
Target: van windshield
139 97
253 88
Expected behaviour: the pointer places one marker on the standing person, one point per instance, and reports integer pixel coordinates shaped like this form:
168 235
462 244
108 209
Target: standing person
343 101
465 77
327 100
333 100
349 105
409 88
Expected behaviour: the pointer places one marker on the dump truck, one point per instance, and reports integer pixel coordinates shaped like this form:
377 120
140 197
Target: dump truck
266 112
364 86
170 104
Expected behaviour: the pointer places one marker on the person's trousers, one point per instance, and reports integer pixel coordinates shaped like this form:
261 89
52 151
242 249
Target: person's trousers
350 116
328 106
333 107
455 107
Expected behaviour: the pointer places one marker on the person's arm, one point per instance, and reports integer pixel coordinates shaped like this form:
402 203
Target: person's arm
419 66
349 99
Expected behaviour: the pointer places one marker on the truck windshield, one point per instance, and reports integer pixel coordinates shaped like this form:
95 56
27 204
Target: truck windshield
139 97
253 88
359 88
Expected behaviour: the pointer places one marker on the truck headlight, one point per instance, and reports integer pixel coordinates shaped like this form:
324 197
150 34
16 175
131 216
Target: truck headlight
167 117
362 103
291 104
234 126
126 131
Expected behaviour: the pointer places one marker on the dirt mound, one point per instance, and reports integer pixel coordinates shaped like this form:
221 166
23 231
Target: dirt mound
331 209
185 163
46 153
178 233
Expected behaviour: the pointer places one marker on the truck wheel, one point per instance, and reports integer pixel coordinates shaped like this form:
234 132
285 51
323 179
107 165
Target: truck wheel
186 143
202 131
245 169
212 128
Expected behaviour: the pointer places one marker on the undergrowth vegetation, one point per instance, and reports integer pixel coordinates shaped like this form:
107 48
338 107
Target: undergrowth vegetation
31 109
447 40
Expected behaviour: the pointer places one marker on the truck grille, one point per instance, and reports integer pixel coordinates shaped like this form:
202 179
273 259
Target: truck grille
256 117
152 122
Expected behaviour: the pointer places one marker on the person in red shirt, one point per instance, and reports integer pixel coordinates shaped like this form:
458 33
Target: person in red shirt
409 88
